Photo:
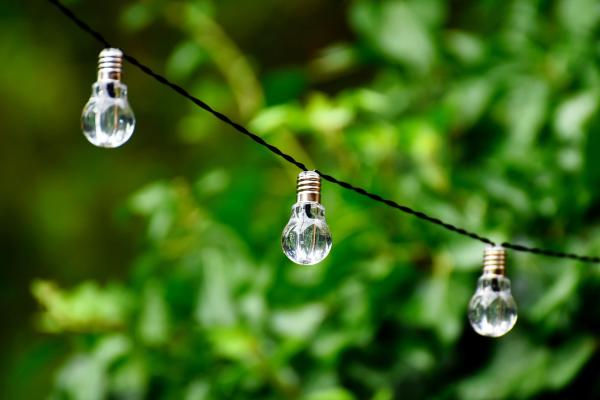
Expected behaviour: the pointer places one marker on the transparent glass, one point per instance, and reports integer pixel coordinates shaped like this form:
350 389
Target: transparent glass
492 310
107 119
306 239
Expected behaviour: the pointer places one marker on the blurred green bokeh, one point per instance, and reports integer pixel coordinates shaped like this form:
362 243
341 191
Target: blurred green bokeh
154 270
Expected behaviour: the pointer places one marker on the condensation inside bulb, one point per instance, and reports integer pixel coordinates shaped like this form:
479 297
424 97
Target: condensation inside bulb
306 238
492 310
107 119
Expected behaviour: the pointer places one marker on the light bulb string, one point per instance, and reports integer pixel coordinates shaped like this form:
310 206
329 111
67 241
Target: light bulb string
346 185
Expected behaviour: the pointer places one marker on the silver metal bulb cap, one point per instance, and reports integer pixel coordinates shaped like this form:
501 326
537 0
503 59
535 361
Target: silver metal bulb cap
309 187
110 64
494 260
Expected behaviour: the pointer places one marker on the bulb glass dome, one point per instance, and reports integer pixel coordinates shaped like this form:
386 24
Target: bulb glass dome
306 239
107 119
492 309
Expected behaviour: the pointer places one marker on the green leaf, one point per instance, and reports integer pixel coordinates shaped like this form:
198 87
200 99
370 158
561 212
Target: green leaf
468 100
215 304
299 323
440 304
86 308
465 46
130 379
556 295
330 394
397 31
520 369
526 106
185 59
578 16
568 360
326 116
572 115
197 390
82 378
153 325
137 17
234 343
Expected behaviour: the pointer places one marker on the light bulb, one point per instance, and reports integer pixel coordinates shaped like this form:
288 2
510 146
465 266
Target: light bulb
306 239
492 309
107 120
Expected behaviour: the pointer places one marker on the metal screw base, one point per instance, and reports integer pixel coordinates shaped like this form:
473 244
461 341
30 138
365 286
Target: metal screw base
309 187
110 64
494 260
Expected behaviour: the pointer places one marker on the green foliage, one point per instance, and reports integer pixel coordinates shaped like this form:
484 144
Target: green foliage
86 308
484 114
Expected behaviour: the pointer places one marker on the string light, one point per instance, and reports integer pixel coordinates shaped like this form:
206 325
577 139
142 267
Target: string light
107 119
492 309
290 159
306 238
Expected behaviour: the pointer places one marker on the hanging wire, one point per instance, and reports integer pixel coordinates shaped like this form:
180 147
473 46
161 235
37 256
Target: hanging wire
346 185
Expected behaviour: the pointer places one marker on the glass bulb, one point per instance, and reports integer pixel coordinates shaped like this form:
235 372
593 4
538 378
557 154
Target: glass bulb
107 119
306 239
492 309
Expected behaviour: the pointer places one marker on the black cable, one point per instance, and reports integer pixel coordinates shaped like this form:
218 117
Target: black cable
243 130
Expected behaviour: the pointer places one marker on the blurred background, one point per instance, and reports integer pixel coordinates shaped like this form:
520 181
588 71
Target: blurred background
155 270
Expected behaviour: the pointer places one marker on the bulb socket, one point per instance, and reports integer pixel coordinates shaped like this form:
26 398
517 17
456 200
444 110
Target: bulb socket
110 64
309 187
494 260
